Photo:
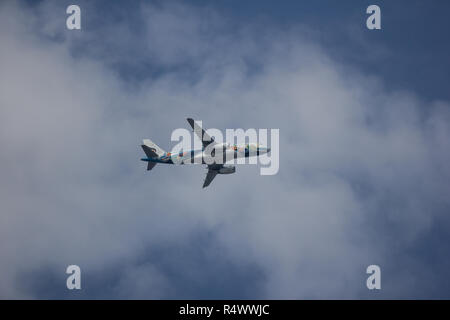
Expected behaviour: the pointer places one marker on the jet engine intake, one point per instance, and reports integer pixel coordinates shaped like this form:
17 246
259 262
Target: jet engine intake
227 170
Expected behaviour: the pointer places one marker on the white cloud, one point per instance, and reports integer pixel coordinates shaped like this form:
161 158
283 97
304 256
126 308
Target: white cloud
363 171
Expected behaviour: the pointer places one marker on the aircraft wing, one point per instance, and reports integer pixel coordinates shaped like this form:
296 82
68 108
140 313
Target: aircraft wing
204 137
150 165
209 177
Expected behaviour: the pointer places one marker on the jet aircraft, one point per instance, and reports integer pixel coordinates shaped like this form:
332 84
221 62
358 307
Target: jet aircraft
208 154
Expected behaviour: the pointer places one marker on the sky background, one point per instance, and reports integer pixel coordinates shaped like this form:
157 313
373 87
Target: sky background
364 119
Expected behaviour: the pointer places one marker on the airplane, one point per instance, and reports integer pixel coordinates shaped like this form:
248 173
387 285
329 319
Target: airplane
157 155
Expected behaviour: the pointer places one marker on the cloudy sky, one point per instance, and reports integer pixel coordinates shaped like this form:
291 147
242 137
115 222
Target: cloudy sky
364 119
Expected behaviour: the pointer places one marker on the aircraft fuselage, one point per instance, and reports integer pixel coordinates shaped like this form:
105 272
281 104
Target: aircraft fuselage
223 153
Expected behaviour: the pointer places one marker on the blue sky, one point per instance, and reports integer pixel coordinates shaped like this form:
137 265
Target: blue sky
412 35
408 51
364 125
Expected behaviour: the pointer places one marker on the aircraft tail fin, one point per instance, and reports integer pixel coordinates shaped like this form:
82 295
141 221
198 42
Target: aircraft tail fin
151 149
